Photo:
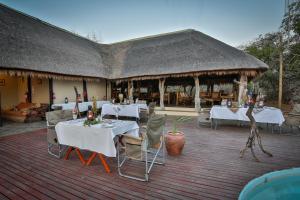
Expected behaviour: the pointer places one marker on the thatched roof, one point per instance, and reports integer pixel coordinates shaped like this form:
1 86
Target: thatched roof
179 53
31 44
28 44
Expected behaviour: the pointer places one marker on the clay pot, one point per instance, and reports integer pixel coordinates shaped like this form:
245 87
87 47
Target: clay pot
175 143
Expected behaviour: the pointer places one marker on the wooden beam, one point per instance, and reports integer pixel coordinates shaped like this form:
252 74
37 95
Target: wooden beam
106 89
197 94
29 90
242 87
85 92
130 90
161 86
51 92
280 74
1 123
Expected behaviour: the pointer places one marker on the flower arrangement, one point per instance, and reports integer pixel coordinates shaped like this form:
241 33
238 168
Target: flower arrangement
91 122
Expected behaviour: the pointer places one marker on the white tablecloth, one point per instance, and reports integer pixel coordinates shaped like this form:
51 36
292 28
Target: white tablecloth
142 106
82 106
95 138
267 115
131 110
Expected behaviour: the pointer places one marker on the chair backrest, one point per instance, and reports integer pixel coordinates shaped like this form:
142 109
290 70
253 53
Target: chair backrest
56 116
151 108
215 95
142 102
155 129
296 109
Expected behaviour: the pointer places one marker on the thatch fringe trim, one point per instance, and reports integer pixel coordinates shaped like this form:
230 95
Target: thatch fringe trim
36 74
247 72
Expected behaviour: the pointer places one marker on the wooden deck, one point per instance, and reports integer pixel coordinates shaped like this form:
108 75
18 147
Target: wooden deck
210 168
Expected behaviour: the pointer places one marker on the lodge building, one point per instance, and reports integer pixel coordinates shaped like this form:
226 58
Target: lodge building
41 63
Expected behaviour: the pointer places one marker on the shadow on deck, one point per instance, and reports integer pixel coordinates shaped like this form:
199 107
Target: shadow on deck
209 168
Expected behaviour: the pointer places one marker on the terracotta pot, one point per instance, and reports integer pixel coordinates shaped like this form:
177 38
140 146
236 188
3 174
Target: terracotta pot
175 143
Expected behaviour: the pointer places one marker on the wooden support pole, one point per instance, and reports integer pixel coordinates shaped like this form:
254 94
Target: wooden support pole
1 123
106 89
51 94
242 87
161 86
130 90
29 90
85 92
280 74
197 94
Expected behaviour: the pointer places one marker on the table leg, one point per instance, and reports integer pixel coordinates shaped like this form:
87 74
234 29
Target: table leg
216 124
280 130
91 158
70 149
80 156
104 163
102 159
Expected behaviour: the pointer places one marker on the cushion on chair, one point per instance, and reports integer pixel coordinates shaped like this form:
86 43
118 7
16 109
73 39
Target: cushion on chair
151 108
51 136
296 109
56 116
154 130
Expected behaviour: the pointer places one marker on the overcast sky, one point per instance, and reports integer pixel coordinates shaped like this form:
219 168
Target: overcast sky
234 22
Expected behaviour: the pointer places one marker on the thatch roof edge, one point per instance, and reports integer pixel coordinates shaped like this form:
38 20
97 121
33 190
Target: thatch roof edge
248 72
39 74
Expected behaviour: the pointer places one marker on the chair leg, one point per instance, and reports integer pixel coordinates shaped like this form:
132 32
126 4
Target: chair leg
120 163
51 153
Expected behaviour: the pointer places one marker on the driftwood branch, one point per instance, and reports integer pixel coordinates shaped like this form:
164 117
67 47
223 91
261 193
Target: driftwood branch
254 134
76 105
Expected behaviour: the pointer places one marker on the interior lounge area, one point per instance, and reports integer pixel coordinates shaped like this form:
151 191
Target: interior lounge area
180 91
24 99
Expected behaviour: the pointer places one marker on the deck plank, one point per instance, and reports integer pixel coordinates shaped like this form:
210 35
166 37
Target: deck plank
209 168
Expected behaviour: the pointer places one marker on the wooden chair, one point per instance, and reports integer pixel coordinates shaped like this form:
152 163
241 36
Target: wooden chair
292 119
204 117
183 98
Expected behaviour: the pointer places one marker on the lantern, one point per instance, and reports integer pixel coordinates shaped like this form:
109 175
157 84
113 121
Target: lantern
229 103
90 114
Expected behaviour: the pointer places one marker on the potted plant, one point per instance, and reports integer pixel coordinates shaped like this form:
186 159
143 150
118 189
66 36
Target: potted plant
175 139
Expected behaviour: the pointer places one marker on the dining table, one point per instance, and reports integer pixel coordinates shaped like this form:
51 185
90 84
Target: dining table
267 115
83 106
98 138
125 110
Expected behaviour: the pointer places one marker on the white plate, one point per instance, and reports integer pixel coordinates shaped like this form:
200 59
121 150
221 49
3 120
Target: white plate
108 125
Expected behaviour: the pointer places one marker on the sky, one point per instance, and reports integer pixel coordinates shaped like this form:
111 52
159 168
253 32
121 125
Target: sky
235 22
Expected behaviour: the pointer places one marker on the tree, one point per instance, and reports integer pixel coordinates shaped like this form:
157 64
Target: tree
267 48
92 36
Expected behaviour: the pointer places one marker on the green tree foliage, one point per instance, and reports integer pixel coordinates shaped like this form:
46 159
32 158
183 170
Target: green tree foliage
267 48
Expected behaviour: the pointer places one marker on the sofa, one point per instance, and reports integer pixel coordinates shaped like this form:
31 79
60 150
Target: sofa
26 112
